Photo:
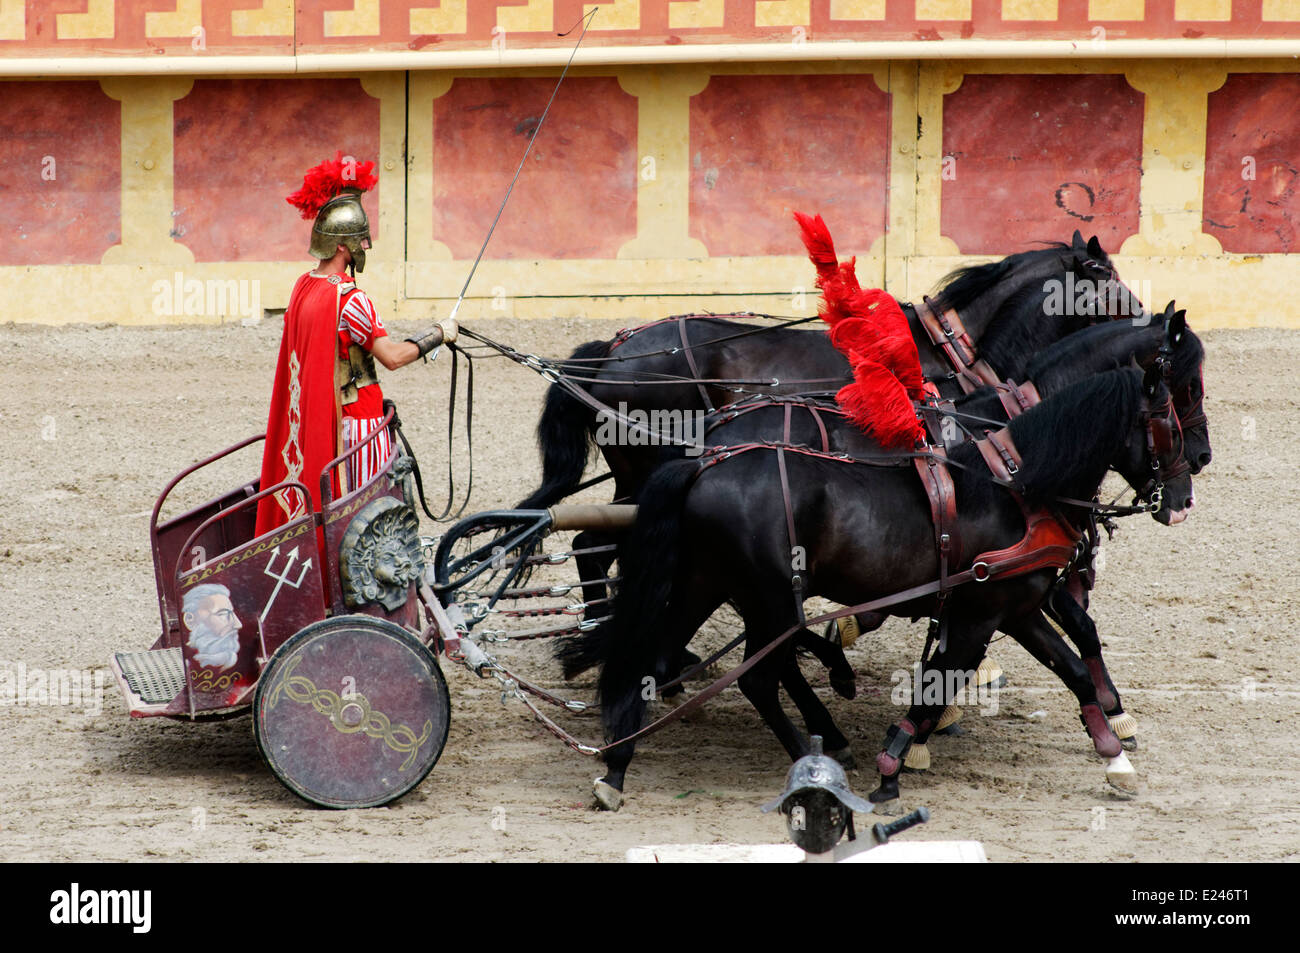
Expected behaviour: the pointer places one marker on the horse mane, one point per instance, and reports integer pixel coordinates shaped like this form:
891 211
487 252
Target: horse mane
960 287
1187 358
1008 340
1076 433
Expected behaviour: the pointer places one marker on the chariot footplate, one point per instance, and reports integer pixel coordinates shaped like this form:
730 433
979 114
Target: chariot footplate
150 678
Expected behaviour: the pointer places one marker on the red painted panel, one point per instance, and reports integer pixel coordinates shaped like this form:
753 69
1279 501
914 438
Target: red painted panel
763 146
1252 164
1033 157
576 197
61 152
242 145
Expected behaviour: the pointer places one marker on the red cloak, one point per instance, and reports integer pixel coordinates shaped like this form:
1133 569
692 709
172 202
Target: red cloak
302 432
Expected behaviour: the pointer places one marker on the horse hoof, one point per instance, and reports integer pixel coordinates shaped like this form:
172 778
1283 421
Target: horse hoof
887 791
951 715
1129 744
845 757
890 806
917 759
1121 776
676 700
608 797
990 673
845 687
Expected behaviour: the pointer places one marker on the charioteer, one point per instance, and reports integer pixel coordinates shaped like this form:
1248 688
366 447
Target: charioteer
326 398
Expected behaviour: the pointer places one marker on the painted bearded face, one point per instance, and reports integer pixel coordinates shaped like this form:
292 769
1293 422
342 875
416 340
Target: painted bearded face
214 633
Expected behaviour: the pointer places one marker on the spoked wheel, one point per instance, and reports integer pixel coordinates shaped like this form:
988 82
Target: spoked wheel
351 712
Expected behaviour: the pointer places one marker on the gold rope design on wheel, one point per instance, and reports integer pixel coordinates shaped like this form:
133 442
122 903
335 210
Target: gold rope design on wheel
376 724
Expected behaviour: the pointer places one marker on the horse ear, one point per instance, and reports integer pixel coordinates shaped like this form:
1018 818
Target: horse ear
1169 312
1094 248
1177 325
1077 241
1151 380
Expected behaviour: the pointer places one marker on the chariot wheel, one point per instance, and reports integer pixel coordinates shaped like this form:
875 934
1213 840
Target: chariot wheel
351 712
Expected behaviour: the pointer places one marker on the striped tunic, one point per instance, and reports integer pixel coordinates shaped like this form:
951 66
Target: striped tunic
361 325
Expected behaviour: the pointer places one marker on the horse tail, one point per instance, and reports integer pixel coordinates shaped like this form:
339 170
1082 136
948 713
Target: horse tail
627 643
565 436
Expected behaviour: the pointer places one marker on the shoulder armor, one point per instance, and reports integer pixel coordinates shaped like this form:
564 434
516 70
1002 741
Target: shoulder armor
343 284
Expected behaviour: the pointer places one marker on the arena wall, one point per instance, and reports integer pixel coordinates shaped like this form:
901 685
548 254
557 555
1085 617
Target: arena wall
146 151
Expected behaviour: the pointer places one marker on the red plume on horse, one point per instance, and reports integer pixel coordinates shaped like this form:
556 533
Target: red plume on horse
869 327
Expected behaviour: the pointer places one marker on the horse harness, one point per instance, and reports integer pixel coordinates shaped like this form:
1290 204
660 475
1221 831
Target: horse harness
950 338
1049 541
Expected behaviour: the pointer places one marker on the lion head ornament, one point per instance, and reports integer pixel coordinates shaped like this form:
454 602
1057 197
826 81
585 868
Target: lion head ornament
381 555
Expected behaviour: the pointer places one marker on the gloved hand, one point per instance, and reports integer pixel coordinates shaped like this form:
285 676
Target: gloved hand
443 332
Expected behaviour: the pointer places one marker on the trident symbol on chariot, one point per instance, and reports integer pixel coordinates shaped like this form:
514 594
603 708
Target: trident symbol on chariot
283 577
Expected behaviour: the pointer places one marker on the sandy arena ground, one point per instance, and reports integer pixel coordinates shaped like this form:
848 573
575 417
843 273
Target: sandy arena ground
1199 624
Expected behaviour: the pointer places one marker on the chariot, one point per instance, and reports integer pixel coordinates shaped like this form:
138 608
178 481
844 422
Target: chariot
326 629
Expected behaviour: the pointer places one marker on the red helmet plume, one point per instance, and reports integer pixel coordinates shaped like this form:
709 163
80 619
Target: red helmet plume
331 177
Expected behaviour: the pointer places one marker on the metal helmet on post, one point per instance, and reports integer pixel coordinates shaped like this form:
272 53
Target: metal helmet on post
817 801
331 194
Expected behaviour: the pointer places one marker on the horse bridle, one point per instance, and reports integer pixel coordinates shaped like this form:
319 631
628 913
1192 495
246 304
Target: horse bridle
1160 423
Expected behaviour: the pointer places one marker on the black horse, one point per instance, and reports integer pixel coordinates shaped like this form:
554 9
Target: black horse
700 541
1094 350
1003 306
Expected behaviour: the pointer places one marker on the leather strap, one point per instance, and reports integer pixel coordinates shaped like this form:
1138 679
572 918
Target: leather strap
947 333
821 428
1007 455
690 362
943 511
796 578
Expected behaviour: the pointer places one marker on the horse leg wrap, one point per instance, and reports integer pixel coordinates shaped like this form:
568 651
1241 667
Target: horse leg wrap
989 672
897 740
1105 697
951 715
848 630
1124 725
1098 725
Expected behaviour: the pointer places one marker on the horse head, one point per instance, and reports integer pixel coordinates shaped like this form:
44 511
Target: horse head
1153 462
1182 356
